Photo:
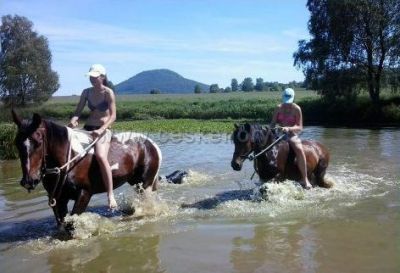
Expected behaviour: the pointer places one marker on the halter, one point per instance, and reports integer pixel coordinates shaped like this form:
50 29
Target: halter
253 157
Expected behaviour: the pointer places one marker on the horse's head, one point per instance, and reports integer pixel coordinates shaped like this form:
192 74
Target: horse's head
248 138
242 139
30 142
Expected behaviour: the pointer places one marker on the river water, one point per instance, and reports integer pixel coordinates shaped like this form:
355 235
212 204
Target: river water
216 221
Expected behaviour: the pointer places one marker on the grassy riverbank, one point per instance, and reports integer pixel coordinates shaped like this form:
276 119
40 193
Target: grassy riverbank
236 105
157 126
212 113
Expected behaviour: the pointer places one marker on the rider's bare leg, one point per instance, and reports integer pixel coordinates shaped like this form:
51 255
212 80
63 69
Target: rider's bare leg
101 150
301 161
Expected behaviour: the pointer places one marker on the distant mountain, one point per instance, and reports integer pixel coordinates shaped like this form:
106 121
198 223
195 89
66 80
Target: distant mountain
164 80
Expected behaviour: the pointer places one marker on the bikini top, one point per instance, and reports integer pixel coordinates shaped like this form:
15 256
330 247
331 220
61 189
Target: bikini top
101 106
286 119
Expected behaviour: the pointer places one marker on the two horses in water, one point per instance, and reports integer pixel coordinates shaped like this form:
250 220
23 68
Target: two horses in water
45 153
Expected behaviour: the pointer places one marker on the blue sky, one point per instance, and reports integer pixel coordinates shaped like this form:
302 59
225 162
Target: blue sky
211 41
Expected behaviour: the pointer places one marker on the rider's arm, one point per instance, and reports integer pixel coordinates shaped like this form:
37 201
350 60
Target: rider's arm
74 120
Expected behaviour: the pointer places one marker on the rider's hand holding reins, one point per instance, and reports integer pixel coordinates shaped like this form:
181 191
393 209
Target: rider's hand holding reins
285 130
97 133
73 122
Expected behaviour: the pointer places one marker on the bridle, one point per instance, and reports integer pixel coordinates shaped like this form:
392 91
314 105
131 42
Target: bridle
251 157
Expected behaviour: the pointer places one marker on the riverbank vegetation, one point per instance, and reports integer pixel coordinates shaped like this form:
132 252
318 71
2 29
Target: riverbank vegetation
213 113
255 106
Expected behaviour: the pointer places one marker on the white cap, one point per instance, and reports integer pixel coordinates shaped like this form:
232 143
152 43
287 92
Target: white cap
96 70
288 95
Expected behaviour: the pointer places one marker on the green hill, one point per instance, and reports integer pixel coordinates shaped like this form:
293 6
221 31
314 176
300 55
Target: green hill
164 80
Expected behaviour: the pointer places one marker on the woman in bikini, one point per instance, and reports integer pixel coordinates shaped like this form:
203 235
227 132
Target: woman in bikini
288 115
101 102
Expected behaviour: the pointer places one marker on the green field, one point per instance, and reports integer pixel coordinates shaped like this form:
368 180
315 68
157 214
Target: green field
235 105
211 113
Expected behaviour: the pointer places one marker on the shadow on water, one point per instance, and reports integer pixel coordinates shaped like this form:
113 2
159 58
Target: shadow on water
32 229
219 198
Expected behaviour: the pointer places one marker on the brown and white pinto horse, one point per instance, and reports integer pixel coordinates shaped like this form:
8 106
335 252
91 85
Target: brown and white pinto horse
255 138
43 147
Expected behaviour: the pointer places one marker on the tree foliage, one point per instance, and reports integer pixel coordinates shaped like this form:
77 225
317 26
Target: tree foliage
259 84
234 85
197 89
247 84
353 45
155 91
214 88
25 63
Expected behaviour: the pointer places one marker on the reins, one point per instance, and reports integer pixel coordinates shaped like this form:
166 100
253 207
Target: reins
253 157
63 171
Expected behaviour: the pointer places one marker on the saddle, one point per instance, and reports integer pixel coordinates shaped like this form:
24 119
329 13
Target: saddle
81 139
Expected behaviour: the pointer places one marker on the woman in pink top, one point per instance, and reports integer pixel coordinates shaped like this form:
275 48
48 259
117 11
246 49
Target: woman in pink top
288 115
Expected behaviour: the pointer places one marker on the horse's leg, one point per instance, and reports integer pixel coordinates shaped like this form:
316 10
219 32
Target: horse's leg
281 160
60 210
82 202
150 177
320 172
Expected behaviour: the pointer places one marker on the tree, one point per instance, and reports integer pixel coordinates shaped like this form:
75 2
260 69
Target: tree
234 85
227 89
197 89
214 88
247 85
25 63
155 91
353 43
259 84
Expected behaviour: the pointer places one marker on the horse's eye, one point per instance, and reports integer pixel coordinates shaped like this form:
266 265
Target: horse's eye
34 142
243 135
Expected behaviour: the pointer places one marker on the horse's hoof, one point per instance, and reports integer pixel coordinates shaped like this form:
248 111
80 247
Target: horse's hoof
128 210
307 186
64 231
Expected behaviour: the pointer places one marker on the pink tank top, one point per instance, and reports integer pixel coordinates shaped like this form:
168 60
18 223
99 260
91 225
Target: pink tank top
286 119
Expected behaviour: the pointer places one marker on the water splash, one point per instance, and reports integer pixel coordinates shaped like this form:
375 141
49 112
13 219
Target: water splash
144 204
279 193
89 224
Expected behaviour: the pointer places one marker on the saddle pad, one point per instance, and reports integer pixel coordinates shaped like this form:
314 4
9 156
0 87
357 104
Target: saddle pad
80 139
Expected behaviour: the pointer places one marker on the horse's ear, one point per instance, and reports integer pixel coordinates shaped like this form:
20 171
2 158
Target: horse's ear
16 118
36 120
236 126
247 127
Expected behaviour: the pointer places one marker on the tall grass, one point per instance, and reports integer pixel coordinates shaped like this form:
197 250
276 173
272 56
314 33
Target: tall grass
236 105
7 147
211 113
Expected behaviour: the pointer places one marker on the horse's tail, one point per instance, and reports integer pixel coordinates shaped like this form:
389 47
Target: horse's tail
159 154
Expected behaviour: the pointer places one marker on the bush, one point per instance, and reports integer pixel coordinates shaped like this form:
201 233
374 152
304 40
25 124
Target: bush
7 147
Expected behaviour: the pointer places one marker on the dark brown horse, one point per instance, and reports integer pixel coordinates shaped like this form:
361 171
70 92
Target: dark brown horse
44 149
250 139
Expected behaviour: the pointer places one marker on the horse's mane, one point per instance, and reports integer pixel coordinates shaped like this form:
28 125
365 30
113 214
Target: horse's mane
257 132
55 132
